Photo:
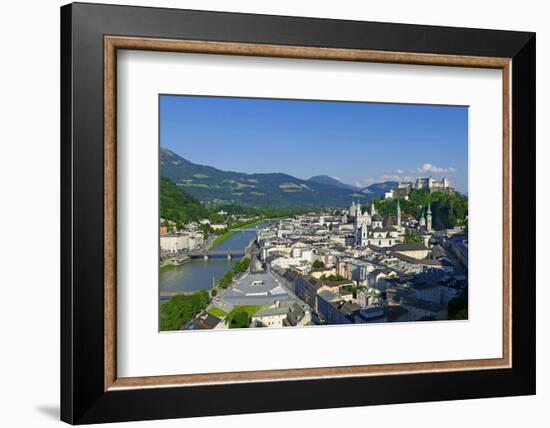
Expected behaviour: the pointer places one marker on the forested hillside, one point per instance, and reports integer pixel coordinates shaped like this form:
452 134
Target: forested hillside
177 205
448 209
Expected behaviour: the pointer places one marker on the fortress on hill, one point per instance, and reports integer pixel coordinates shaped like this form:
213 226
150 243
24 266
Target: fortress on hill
404 187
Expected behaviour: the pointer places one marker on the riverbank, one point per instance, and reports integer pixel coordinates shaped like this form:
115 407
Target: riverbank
201 274
167 267
234 230
174 262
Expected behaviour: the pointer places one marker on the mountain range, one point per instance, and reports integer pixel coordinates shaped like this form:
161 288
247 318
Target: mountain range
211 185
325 179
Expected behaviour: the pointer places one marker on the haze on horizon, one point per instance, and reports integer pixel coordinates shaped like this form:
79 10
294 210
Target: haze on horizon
356 143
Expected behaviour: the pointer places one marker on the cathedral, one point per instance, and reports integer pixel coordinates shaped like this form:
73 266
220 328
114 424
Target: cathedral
357 216
370 228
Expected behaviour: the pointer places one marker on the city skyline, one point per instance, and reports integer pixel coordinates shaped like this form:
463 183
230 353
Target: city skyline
248 240
356 143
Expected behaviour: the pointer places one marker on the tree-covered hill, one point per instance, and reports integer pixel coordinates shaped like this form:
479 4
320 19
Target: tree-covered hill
177 205
216 187
448 209
378 189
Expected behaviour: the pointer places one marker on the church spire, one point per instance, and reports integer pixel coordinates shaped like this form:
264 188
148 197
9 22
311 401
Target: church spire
429 218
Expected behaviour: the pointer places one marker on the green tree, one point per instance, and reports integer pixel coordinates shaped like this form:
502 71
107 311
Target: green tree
216 218
242 265
205 230
318 264
412 237
353 289
448 209
181 309
240 320
226 279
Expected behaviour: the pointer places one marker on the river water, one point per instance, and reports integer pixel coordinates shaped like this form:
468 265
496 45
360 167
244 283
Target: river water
199 274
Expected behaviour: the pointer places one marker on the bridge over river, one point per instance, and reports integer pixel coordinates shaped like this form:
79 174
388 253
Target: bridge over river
216 253
195 274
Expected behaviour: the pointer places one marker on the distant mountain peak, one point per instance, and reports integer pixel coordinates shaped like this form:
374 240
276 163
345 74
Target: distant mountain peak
378 189
327 179
209 184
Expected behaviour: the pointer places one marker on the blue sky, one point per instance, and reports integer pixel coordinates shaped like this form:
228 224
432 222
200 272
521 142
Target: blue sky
357 143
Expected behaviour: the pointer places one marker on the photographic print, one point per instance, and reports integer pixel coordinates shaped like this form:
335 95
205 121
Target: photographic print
299 184
277 213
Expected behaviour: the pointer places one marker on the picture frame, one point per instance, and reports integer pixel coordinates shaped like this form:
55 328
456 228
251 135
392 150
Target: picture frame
91 391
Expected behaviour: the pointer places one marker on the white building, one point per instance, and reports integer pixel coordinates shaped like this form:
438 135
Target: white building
369 297
379 236
377 277
283 314
287 262
175 242
431 183
218 226
172 243
373 232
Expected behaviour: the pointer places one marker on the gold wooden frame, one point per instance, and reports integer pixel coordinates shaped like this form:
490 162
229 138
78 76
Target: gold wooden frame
113 43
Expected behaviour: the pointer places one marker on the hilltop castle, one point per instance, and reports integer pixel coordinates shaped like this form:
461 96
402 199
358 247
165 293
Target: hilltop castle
404 187
428 183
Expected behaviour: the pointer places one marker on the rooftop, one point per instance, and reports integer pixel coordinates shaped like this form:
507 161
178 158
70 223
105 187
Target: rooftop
393 313
411 246
349 308
313 282
259 288
203 321
413 260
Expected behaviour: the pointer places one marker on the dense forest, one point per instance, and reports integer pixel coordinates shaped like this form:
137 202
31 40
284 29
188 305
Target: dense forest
448 209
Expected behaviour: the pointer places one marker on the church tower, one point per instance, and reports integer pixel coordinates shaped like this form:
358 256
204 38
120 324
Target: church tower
361 234
364 235
429 218
398 222
422 221
352 211
372 209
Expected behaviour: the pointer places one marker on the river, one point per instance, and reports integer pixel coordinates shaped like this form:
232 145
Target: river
199 274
